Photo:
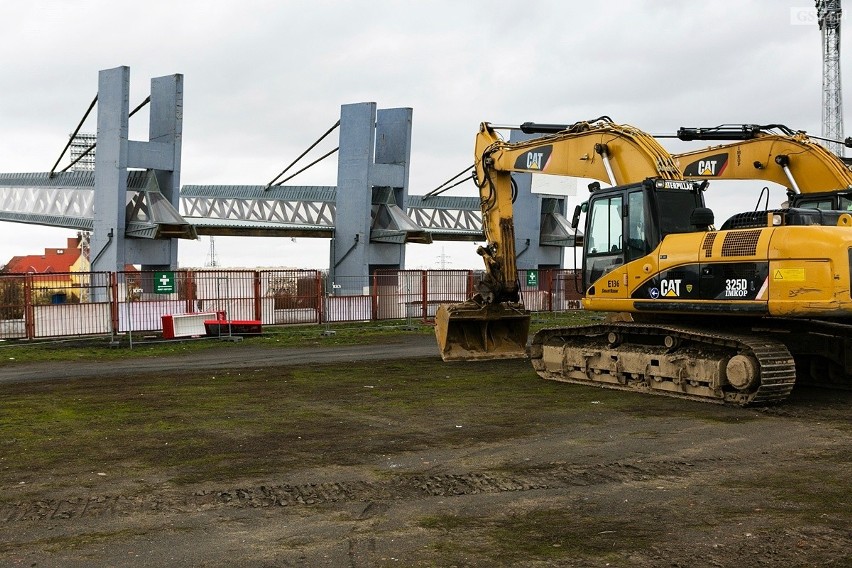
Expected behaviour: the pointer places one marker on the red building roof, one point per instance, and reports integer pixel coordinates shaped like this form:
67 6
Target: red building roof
53 260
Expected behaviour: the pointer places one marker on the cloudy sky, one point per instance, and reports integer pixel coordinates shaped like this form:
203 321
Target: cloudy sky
264 79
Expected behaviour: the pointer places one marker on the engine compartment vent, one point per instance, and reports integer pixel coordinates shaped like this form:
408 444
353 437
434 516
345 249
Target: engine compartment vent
709 239
740 243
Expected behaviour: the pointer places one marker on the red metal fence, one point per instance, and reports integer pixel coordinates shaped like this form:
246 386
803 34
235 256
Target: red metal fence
100 303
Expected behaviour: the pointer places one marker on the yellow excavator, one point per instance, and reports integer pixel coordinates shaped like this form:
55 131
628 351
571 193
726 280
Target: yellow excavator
494 324
814 177
730 316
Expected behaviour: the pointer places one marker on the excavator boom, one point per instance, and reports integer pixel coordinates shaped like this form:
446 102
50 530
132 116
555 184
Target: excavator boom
789 158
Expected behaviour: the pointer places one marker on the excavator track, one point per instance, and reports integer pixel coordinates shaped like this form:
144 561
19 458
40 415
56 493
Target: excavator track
714 366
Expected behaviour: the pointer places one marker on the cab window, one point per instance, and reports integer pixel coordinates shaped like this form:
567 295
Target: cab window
604 238
605 230
637 237
675 208
823 205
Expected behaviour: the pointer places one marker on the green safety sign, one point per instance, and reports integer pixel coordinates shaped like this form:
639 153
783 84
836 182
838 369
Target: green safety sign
532 278
164 282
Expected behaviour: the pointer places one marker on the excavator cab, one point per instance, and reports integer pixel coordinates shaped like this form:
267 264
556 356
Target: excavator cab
626 223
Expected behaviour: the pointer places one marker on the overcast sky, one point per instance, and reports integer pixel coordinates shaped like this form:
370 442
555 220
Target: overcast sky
264 79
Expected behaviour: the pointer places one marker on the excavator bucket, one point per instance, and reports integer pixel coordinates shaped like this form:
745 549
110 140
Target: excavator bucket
471 331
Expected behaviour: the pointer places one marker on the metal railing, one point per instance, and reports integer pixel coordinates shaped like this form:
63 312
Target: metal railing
35 305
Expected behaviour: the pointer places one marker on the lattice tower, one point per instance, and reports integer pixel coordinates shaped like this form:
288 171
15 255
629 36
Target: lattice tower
828 15
212 260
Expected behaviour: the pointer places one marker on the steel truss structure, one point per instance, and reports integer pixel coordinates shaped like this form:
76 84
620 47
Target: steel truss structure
67 199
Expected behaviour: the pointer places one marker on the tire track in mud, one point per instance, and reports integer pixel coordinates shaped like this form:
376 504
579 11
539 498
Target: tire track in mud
397 488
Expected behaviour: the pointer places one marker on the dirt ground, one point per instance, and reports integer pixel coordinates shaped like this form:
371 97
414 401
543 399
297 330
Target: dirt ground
440 467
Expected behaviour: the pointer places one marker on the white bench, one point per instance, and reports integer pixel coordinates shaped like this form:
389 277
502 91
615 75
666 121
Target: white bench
186 325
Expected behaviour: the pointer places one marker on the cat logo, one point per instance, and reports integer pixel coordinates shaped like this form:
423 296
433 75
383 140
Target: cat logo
707 167
535 159
711 166
670 288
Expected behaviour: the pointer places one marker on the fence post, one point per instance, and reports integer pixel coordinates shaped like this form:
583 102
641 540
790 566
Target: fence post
549 289
374 297
554 286
258 315
29 309
469 284
112 282
424 295
319 297
189 291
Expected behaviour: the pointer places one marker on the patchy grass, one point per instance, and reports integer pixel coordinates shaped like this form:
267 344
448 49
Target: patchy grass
797 493
657 406
75 542
99 348
191 427
194 426
542 535
156 433
144 345
545 320
202 426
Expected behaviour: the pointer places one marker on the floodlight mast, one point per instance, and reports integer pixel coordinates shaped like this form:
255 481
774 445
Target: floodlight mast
829 17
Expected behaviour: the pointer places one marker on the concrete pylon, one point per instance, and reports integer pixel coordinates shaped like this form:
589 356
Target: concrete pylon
111 249
373 171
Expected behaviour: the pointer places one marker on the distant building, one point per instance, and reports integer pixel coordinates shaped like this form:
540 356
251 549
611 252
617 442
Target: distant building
60 274
54 271
54 260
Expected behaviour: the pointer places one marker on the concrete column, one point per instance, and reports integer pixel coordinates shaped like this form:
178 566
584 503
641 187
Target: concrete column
391 169
110 250
375 149
165 135
354 196
107 243
527 210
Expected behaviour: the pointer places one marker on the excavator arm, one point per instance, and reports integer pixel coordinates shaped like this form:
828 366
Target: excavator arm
790 159
494 323
600 150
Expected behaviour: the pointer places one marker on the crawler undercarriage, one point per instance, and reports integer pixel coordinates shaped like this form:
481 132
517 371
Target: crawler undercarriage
710 366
